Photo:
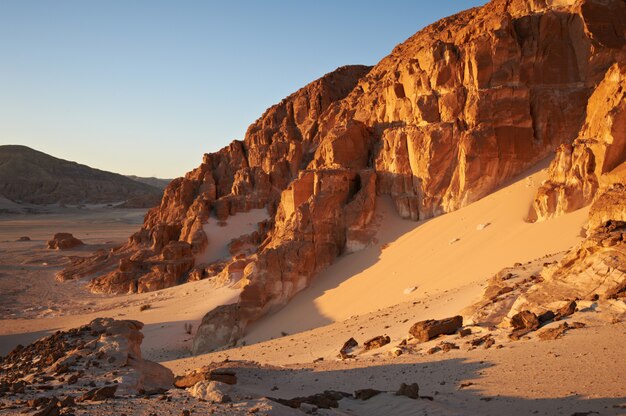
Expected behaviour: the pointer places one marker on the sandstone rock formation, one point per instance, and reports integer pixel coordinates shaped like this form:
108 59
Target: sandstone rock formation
596 159
105 354
457 109
29 176
64 241
594 270
426 330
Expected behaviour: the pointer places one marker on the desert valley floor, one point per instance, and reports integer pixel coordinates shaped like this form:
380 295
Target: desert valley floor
381 290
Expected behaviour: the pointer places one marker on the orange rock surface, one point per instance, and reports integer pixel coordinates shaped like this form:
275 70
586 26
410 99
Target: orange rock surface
456 110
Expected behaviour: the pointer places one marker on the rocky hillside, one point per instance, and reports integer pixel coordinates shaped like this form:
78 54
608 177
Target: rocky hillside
30 176
457 109
152 181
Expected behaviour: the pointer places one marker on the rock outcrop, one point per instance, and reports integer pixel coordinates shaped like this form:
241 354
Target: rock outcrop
594 270
456 110
64 241
596 159
105 355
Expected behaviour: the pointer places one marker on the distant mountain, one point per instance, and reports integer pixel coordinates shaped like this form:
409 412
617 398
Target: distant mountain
152 181
30 176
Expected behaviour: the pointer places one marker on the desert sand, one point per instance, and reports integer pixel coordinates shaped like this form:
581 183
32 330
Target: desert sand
295 349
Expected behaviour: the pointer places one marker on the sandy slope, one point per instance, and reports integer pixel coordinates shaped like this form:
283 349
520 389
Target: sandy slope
425 255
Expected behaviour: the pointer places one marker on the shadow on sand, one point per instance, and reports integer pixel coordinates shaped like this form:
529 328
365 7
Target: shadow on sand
450 384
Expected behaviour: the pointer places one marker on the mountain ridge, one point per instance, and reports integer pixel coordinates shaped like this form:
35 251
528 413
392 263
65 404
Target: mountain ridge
31 176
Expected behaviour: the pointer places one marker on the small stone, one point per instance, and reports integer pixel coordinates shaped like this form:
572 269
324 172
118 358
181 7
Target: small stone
376 342
465 332
366 394
409 390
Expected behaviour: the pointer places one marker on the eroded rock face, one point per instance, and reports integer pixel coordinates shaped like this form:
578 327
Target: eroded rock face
455 110
451 113
478 97
595 158
595 267
245 175
594 270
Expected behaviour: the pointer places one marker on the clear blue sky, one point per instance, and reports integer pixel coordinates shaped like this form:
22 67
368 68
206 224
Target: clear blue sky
146 87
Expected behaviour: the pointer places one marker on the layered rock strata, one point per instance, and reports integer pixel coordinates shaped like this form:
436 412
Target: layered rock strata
595 160
592 271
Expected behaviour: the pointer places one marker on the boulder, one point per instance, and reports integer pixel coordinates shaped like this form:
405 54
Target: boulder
523 323
212 391
345 350
409 390
376 342
565 311
426 330
63 241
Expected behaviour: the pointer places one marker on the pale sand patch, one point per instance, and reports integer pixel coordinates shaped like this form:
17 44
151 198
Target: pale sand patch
220 235
420 254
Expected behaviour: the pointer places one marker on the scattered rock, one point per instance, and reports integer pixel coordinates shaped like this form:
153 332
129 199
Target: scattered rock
547 316
99 394
566 311
523 322
212 391
64 241
409 390
465 332
559 331
433 350
448 346
205 374
426 330
326 400
347 347
396 352
376 342
366 394
24 238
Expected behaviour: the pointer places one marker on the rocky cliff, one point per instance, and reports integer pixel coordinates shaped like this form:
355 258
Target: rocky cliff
451 113
596 159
